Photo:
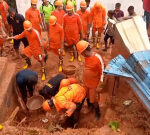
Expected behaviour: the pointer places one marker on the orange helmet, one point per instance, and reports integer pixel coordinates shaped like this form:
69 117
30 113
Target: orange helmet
64 83
98 4
46 106
34 1
58 3
69 6
83 4
27 25
81 46
52 20
72 80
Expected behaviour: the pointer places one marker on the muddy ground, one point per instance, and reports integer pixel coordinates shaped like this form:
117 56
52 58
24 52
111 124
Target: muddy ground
133 120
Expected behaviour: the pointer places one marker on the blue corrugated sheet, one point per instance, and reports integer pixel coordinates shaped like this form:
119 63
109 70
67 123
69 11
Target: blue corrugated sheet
137 70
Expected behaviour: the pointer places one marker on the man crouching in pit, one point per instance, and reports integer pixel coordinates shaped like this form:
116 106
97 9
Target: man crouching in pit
68 101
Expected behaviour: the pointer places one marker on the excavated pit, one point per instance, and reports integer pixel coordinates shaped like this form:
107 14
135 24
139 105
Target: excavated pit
133 120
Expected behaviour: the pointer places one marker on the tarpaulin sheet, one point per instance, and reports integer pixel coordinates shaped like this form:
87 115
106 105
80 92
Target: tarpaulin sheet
137 71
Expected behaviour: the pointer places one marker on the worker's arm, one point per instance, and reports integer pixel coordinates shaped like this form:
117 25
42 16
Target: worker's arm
42 18
22 35
70 106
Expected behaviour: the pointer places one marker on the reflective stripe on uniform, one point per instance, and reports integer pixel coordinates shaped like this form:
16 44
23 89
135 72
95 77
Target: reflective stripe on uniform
38 35
5 7
102 63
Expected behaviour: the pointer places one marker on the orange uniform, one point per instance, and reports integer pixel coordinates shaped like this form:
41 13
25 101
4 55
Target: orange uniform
98 18
85 17
59 15
56 35
93 74
67 97
33 15
72 28
34 40
4 10
1 40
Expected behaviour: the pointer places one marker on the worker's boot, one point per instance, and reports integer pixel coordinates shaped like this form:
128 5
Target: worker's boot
60 65
72 58
79 58
98 42
43 74
97 111
93 38
28 63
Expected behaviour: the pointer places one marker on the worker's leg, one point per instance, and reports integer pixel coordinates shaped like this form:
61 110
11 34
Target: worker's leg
30 90
1 47
47 27
23 91
94 101
106 41
27 53
99 38
60 61
93 36
16 47
42 67
25 42
1 50
72 53
74 118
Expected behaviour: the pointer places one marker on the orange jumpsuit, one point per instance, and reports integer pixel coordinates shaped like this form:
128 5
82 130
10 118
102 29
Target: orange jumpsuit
4 10
34 39
98 18
72 28
56 35
59 15
93 74
85 17
67 97
33 15
1 40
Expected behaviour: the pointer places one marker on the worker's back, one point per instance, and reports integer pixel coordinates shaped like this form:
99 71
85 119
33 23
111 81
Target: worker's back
73 93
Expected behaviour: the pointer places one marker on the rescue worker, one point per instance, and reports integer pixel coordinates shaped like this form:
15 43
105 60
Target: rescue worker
2 37
56 39
35 47
93 74
69 98
73 2
52 86
45 10
4 12
59 12
85 17
98 16
72 30
33 15
15 22
26 81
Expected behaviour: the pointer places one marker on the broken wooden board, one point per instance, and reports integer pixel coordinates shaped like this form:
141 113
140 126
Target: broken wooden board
131 36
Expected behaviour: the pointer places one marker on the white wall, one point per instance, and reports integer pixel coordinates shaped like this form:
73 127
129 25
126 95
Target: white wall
23 5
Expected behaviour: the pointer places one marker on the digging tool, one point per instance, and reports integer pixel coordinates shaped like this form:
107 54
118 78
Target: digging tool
22 104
